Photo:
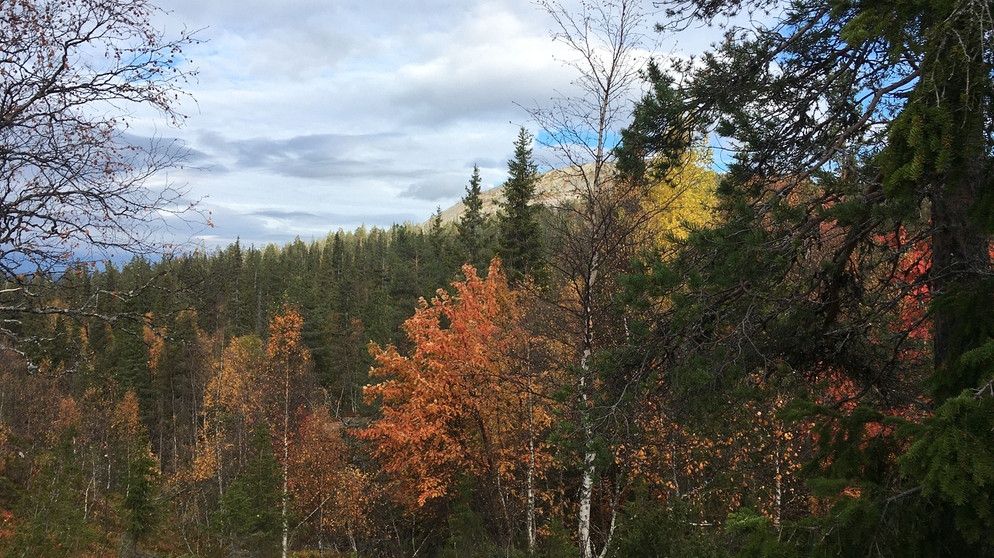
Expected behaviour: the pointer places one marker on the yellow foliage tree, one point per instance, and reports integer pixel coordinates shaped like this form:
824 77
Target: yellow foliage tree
287 373
682 197
232 407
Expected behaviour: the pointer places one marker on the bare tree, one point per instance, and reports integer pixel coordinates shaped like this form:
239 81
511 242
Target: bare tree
596 227
74 185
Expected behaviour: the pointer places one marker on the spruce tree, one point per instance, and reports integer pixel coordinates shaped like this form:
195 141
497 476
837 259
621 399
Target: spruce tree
249 510
520 242
472 225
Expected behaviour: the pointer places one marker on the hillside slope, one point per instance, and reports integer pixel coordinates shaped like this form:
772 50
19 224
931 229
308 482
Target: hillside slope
553 188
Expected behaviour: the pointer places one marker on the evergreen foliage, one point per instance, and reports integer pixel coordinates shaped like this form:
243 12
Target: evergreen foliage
249 510
54 519
845 265
143 511
650 530
474 225
520 234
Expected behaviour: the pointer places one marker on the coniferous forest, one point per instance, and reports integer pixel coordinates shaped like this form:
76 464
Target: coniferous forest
750 314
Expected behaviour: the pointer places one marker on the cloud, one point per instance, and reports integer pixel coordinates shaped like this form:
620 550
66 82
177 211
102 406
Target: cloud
284 215
313 156
310 116
478 70
436 189
264 226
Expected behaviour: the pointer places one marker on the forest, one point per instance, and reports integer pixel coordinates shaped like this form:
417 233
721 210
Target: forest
756 320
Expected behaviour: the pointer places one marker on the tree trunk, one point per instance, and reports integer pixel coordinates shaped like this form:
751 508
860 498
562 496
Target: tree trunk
530 481
589 456
586 498
960 260
285 495
963 316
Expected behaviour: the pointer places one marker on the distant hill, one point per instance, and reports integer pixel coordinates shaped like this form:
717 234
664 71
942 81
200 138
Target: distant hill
553 188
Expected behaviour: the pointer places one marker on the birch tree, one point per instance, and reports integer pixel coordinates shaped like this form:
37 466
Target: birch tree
594 230
287 370
74 186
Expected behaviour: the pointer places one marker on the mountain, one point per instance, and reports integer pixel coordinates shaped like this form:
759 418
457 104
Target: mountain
552 188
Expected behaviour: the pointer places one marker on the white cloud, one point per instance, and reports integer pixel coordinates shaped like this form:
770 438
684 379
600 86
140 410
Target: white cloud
312 115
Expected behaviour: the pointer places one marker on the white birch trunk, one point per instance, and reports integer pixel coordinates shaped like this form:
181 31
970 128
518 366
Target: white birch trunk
586 498
589 456
286 467
530 482
778 497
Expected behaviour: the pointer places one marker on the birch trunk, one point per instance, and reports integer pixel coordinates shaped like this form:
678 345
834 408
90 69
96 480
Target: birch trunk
586 498
585 384
605 38
530 481
286 467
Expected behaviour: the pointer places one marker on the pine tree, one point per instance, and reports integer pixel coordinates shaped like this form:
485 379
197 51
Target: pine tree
142 510
520 242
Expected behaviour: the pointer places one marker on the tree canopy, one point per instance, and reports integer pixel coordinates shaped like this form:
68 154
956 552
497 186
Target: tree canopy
848 248
78 190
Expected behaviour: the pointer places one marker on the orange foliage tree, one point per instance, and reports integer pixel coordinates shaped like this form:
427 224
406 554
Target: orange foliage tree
331 495
460 406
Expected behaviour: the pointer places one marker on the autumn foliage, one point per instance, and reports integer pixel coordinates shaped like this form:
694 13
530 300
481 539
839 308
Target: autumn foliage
454 406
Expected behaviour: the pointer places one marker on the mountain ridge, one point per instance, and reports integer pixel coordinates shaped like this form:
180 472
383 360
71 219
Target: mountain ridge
551 188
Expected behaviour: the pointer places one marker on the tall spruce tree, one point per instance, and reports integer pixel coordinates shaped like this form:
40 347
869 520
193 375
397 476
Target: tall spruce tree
520 240
472 228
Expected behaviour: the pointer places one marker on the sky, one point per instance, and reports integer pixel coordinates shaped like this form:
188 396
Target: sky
310 116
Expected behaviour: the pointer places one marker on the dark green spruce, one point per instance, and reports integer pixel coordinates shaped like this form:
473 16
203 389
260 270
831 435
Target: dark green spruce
519 229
